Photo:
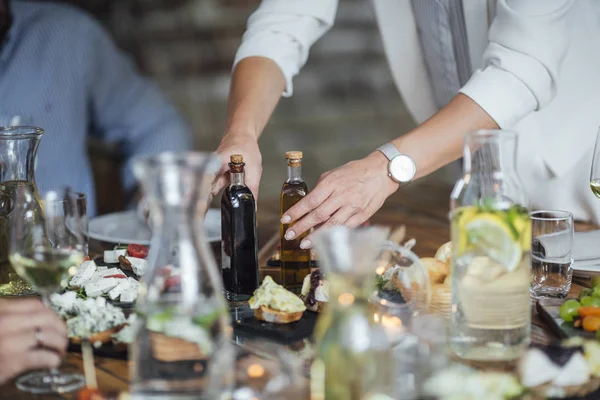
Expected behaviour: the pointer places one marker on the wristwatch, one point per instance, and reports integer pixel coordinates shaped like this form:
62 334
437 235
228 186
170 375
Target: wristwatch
401 168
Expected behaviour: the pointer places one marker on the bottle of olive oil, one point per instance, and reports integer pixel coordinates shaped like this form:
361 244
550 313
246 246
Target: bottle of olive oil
295 262
239 247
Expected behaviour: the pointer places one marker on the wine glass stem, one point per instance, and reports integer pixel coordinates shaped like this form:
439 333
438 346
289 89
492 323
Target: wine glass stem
53 373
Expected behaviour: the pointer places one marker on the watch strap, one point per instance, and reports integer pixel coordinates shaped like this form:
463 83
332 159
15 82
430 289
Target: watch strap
389 151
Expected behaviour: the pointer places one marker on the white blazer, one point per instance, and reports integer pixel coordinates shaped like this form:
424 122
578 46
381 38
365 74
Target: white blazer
538 73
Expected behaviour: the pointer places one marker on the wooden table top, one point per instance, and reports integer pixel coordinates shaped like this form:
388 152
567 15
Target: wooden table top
422 207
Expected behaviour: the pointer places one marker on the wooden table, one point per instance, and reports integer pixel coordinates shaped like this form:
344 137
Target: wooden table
421 206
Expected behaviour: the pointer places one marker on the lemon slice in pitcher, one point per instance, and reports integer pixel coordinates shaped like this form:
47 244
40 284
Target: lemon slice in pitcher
490 234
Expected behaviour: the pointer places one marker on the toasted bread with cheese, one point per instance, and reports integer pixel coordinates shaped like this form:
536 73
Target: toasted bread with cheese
277 317
102 337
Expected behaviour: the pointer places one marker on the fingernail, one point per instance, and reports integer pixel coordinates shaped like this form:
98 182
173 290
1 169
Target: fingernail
286 219
290 235
305 244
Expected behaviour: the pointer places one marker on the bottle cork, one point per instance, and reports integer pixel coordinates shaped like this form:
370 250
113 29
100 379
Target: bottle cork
293 155
237 158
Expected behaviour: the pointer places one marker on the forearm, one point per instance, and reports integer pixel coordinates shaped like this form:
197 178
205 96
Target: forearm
439 140
256 87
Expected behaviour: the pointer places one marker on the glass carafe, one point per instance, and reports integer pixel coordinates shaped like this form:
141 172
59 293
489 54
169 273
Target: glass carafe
491 264
182 346
354 348
18 147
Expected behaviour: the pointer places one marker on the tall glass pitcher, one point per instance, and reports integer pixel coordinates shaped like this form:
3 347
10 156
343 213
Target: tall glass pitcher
491 265
353 350
182 345
18 147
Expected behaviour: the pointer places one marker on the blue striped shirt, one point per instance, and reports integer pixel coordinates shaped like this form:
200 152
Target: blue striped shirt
60 67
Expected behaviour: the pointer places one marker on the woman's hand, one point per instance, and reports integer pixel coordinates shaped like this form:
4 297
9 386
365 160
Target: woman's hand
31 337
247 146
348 195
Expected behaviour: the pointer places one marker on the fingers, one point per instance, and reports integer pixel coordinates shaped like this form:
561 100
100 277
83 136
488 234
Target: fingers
219 184
40 359
46 320
357 219
318 216
20 306
309 203
28 360
46 339
339 218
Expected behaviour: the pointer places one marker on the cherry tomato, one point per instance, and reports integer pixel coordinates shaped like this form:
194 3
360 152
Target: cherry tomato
172 281
591 323
89 394
87 258
137 251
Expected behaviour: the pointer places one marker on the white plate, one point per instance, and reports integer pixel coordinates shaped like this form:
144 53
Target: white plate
126 228
586 268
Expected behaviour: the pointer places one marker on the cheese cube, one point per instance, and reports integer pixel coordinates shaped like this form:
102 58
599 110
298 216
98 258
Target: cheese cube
100 286
84 273
129 296
138 265
112 256
119 289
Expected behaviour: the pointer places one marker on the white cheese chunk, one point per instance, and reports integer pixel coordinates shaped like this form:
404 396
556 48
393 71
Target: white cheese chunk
574 372
129 296
99 274
100 286
112 256
138 265
84 273
115 292
536 368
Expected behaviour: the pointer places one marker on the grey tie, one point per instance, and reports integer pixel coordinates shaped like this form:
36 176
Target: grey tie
443 37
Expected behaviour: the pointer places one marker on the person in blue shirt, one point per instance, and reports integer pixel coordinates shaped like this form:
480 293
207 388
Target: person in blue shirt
59 67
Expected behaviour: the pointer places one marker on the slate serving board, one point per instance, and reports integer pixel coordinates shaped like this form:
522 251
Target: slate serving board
244 323
549 309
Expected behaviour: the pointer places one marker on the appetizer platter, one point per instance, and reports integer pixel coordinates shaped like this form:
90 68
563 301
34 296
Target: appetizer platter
115 276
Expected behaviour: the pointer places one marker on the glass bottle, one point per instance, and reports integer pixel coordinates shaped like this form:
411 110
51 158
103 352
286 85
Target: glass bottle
491 264
295 262
352 349
182 333
239 247
18 148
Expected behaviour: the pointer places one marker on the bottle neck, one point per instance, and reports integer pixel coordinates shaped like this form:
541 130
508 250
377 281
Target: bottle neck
294 173
237 179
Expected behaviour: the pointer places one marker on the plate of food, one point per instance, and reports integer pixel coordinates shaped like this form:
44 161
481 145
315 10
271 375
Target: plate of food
275 313
115 276
128 227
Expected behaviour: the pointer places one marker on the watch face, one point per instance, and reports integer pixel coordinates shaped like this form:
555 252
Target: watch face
402 168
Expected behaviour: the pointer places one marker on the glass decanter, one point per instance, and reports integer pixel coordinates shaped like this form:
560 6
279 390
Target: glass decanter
353 337
18 147
182 347
491 263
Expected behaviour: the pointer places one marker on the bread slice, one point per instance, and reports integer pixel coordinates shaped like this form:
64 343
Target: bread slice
102 337
277 317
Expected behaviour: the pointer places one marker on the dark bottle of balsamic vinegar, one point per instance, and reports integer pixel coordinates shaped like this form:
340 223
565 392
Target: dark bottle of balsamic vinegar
239 248
295 262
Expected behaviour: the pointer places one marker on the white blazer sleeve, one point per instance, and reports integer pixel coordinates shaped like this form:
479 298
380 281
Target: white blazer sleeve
528 40
284 30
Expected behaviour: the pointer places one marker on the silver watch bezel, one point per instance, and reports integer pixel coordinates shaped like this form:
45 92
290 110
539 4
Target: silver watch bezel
402 168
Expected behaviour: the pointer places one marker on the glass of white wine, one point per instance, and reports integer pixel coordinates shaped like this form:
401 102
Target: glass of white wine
45 241
595 172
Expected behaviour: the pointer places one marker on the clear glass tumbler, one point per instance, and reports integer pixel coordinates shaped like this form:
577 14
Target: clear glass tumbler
551 254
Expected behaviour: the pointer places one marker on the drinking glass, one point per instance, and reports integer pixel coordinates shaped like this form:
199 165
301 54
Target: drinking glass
45 242
552 254
595 170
